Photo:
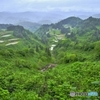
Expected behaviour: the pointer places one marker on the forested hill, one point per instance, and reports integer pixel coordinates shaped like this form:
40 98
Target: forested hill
62 25
71 25
73 22
17 37
77 22
77 52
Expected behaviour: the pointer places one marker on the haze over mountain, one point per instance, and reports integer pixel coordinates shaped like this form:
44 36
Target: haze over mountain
39 17
97 15
29 25
45 11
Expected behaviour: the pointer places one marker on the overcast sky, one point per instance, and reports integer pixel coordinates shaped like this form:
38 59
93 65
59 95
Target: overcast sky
50 5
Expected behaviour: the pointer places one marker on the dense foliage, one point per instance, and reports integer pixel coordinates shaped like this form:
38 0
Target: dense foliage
30 71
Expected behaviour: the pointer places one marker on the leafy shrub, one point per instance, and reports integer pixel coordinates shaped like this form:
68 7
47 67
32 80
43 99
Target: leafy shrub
22 64
4 94
70 58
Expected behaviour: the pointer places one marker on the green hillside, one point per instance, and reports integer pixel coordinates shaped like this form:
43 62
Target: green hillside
78 51
52 62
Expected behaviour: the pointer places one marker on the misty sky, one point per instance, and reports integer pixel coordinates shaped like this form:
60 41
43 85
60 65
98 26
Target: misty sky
50 5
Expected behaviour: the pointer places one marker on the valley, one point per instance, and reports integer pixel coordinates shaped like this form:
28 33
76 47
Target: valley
51 62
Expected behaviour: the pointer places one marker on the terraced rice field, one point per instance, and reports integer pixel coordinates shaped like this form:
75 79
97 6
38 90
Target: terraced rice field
6 38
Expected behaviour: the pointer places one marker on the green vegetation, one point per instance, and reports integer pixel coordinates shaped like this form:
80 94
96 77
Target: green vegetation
30 71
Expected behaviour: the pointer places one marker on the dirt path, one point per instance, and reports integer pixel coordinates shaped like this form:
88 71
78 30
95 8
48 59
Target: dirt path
48 67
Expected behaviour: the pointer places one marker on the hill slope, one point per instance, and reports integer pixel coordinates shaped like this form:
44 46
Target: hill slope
77 54
30 71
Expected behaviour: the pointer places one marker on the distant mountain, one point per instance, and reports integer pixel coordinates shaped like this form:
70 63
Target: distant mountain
39 17
29 25
96 15
4 26
45 22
